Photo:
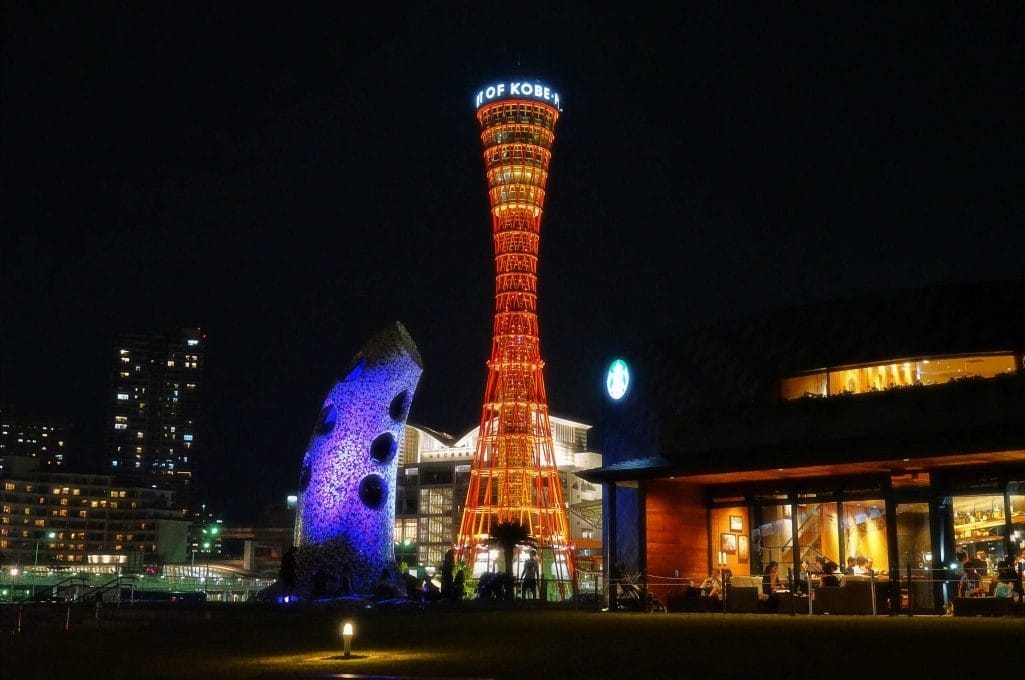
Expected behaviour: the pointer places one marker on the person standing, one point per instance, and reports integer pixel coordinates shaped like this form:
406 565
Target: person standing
286 574
459 585
531 569
344 582
448 563
984 565
383 588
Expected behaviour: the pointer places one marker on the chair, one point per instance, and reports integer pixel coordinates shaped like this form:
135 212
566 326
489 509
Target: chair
744 595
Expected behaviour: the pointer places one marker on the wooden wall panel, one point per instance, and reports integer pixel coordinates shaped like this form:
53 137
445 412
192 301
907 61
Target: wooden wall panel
677 533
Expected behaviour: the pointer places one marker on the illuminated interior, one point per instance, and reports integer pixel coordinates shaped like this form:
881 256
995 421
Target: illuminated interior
980 525
895 374
514 477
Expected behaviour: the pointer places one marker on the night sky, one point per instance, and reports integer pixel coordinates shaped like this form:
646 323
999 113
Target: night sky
294 177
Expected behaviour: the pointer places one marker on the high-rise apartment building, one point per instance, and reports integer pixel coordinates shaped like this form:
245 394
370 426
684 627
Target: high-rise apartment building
153 432
42 438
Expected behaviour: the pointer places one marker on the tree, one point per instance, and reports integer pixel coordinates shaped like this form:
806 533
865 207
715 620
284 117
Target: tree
508 535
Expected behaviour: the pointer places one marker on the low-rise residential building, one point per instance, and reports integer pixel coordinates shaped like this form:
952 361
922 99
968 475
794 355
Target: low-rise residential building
85 520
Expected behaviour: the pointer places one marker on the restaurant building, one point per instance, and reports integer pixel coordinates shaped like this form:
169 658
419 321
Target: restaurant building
890 427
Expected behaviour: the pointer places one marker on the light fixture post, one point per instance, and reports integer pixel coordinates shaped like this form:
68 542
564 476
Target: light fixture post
347 638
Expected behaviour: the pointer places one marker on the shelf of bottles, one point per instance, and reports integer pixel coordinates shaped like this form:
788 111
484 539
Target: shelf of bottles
979 527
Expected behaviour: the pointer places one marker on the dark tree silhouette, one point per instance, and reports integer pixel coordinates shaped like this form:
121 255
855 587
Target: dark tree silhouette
508 535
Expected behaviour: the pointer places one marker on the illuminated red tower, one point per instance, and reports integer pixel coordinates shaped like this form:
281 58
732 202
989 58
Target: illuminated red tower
514 476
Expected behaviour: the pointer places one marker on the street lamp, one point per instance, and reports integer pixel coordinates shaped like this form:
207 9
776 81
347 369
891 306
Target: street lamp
210 532
51 535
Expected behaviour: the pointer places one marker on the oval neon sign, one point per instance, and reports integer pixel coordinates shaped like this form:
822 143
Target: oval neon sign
617 380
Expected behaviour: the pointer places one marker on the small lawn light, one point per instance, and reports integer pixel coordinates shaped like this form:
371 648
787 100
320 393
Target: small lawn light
347 638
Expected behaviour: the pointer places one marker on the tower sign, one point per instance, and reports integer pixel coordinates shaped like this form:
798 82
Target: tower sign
517 89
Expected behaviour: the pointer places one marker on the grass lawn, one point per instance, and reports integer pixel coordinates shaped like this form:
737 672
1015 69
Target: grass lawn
242 642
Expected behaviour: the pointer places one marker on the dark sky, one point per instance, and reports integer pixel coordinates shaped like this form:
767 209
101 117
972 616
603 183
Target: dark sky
292 177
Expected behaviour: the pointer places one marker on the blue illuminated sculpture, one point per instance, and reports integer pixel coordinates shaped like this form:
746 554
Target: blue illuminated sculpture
345 518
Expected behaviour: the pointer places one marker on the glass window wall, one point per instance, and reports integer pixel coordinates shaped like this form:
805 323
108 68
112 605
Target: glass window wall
979 530
883 376
864 536
1016 507
915 559
818 534
773 539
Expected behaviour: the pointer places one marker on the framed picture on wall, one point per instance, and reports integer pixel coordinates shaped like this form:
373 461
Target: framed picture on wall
742 548
736 523
728 543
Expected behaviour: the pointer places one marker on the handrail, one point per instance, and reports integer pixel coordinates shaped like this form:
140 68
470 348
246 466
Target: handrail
50 588
789 545
109 585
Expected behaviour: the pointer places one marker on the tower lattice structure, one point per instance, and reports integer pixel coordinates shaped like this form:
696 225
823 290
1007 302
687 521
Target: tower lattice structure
514 477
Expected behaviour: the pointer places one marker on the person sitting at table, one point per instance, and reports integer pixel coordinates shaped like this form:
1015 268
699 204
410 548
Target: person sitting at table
772 587
829 579
1003 585
852 563
983 564
806 572
770 579
712 586
970 584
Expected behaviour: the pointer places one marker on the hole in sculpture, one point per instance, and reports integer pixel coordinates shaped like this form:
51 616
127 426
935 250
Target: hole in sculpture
328 418
358 364
372 492
397 408
383 448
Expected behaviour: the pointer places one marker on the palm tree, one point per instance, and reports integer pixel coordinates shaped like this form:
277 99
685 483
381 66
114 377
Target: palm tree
508 535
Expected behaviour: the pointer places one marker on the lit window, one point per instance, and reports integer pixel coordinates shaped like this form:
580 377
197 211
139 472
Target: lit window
122 396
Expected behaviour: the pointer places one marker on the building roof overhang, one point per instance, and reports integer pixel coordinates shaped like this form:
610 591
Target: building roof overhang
976 423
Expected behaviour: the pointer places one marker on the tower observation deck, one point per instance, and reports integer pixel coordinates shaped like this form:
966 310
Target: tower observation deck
513 477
